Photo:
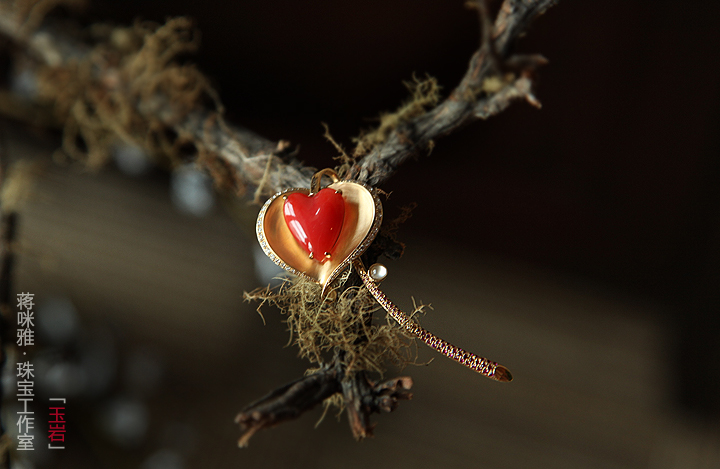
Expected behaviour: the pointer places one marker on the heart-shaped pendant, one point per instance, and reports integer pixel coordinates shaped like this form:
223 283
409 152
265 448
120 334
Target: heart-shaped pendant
318 233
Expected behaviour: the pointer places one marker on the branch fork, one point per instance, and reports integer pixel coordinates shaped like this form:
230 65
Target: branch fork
140 76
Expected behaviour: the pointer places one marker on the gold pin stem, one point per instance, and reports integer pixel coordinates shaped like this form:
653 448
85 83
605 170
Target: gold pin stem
482 365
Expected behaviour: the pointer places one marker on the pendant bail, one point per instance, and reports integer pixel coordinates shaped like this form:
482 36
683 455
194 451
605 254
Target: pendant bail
317 179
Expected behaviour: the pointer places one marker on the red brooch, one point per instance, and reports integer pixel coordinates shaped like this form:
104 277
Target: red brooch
317 233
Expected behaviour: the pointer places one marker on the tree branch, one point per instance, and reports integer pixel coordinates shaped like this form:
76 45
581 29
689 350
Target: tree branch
117 91
363 397
92 85
487 88
290 401
236 157
493 80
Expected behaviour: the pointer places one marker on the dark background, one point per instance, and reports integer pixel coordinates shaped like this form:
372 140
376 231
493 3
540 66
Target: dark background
611 190
615 179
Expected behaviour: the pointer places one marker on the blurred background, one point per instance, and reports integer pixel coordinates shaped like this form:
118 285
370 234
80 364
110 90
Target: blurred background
579 245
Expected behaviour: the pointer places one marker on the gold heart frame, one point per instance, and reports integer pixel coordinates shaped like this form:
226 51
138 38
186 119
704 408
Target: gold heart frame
363 217
361 223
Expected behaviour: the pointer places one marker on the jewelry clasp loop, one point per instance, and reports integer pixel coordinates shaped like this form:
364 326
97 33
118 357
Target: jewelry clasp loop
317 177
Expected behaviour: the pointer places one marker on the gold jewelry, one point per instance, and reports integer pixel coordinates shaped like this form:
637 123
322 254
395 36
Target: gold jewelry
320 232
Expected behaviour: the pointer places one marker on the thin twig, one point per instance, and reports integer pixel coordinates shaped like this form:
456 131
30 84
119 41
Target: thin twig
289 402
363 397
480 94
245 157
240 159
493 80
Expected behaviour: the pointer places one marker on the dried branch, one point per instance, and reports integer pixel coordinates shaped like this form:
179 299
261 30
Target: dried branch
364 397
105 74
289 402
494 80
128 81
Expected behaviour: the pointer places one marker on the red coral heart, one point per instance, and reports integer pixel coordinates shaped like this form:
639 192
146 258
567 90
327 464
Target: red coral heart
315 221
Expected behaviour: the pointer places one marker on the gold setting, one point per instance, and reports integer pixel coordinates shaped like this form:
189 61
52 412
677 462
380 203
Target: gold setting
363 216
482 365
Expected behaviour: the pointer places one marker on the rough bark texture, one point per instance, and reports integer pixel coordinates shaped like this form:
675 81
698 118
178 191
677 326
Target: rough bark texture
239 158
126 86
494 79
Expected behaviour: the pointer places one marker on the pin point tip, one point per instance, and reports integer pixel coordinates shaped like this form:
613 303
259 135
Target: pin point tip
502 374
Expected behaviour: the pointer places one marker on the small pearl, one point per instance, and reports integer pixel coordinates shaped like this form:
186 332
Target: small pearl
378 272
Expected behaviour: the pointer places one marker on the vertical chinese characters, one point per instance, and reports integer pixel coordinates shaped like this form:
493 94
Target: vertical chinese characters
25 373
25 333
56 424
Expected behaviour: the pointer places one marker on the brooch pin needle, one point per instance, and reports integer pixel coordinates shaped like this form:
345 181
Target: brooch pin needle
482 365
319 233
